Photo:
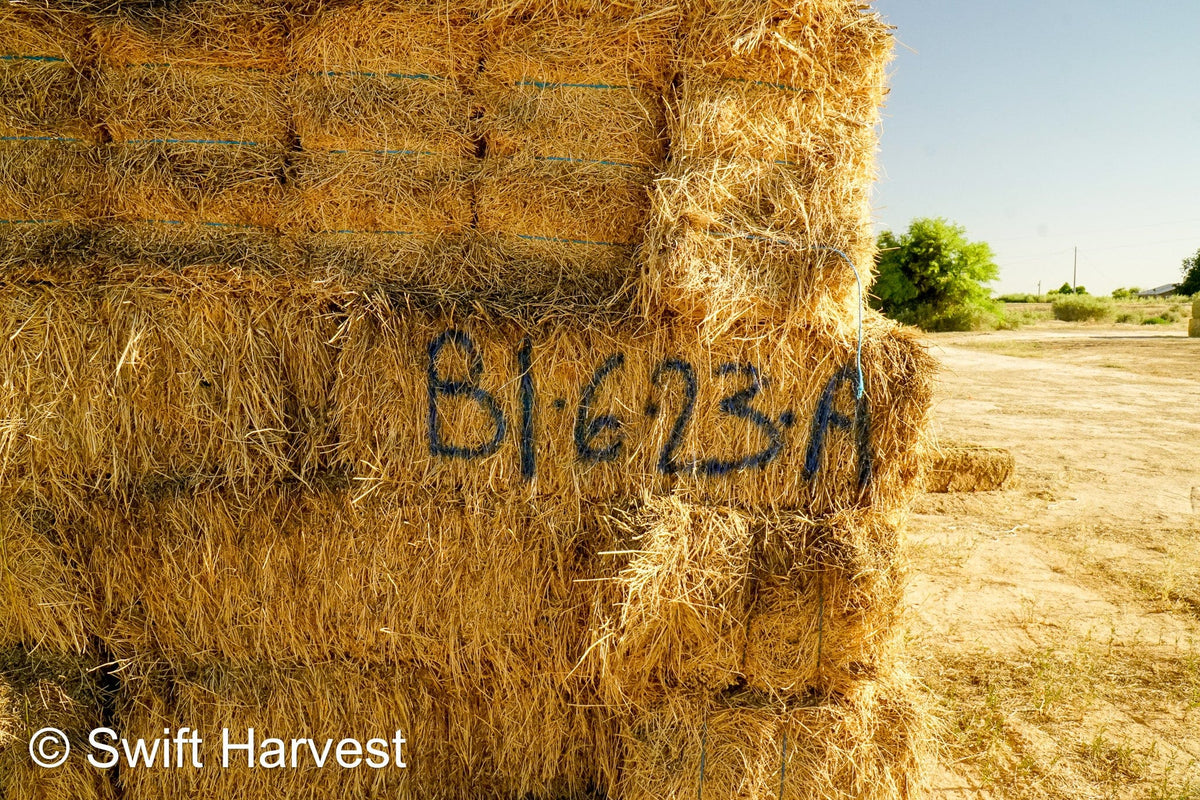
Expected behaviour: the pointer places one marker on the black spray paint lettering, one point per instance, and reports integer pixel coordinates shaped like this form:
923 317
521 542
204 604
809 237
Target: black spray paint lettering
528 455
587 427
827 417
738 405
668 464
439 387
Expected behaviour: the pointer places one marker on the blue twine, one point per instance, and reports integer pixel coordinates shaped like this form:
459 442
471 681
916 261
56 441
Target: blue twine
545 85
37 139
229 142
568 241
586 161
18 57
390 233
860 389
416 76
384 152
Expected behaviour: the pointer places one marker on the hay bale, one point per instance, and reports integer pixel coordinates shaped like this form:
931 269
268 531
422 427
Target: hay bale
160 376
710 599
1194 327
615 411
291 576
969 468
773 139
194 101
872 743
42 603
523 739
573 127
38 691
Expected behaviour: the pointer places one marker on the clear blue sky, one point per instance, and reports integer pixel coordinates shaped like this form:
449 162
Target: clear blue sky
1042 125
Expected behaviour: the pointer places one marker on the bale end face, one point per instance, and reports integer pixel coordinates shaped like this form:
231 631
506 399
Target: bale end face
968 468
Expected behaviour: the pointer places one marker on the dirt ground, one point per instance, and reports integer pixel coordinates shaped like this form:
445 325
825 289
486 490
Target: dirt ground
1057 622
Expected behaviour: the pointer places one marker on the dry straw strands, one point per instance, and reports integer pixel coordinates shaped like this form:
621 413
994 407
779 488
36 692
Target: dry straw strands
159 377
193 100
43 605
519 738
871 744
772 134
615 411
968 468
49 166
711 598
37 691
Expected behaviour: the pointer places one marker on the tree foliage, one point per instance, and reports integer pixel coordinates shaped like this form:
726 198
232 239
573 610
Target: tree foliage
932 276
1191 275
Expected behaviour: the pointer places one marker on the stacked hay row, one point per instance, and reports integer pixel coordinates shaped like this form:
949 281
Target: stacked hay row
1194 322
567 550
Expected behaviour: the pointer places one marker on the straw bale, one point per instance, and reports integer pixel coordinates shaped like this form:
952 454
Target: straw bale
162 374
38 691
43 78
519 739
50 180
500 11
615 441
1194 327
309 576
1196 309
43 250
732 238
379 77
712 598
587 88
872 744
196 110
397 193
42 605
969 468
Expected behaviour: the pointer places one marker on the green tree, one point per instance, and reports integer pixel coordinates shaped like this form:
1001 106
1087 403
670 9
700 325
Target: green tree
1191 275
1065 289
933 277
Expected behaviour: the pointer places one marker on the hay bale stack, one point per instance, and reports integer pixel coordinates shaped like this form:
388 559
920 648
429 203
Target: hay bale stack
193 100
969 468
39 691
573 129
1194 327
50 165
381 106
772 143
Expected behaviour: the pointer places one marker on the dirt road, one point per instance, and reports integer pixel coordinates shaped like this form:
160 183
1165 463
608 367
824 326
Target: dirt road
1058 622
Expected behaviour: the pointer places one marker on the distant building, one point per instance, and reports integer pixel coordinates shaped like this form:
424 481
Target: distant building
1161 291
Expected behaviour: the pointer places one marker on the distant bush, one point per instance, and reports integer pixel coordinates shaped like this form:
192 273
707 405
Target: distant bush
1165 318
1021 298
1129 319
1126 294
1081 308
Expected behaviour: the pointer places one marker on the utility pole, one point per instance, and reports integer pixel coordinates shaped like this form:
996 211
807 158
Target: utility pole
1075 273
1039 288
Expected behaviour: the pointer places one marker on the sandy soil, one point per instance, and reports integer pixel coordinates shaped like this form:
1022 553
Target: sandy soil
1058 621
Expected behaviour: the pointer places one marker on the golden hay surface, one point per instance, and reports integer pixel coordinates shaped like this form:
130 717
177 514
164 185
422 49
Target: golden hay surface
33 251
42 602
229 34
519 738
598 204
969 468
42 79
59 180
1194 327
161 376
398 193
37 691
710 598
872 744
618 443
377 77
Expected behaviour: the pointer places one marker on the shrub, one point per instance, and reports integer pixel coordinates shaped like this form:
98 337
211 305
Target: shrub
1081 308
1128 318
1165 318
1021 298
